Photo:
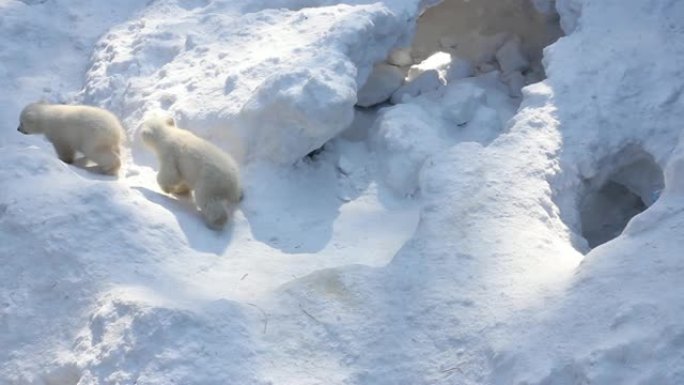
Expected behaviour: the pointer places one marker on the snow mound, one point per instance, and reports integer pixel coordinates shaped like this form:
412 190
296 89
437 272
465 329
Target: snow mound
134 336
408 134
280 103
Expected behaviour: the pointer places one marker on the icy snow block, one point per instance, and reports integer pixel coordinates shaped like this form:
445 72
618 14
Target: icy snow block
425 82
383 81
511 57
406 136
488 123
400 57
296 112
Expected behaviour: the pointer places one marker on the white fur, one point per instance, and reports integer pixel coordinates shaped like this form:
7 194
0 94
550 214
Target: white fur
92 131
189 163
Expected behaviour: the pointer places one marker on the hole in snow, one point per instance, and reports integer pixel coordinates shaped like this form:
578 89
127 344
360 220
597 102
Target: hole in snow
626 184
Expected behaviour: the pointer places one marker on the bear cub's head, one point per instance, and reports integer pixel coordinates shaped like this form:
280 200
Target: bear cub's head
154 130
29 120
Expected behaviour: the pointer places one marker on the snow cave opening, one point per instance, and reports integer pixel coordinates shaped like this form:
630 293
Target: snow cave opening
626 185
457 39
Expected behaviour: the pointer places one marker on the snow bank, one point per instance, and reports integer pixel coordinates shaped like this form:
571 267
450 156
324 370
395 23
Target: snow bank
626 331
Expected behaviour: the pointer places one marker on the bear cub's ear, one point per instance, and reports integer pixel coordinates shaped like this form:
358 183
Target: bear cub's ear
170 121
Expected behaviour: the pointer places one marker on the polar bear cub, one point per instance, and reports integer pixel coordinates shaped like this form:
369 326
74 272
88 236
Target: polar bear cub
92 131
189 163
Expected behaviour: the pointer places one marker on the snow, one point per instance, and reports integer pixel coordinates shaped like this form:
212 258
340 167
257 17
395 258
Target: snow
470 234
474 109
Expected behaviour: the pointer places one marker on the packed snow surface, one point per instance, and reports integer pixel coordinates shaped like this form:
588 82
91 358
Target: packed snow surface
466 232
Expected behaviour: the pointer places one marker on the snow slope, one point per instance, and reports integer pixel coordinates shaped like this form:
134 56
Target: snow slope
328 273
124 246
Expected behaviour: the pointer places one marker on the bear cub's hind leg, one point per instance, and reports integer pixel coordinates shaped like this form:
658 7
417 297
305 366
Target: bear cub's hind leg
107 158
168 177
212 209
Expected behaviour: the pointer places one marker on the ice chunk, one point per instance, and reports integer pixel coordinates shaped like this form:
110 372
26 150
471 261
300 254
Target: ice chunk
407 135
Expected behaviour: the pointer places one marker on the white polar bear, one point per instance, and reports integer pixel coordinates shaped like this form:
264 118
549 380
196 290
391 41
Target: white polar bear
92 131
189 163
